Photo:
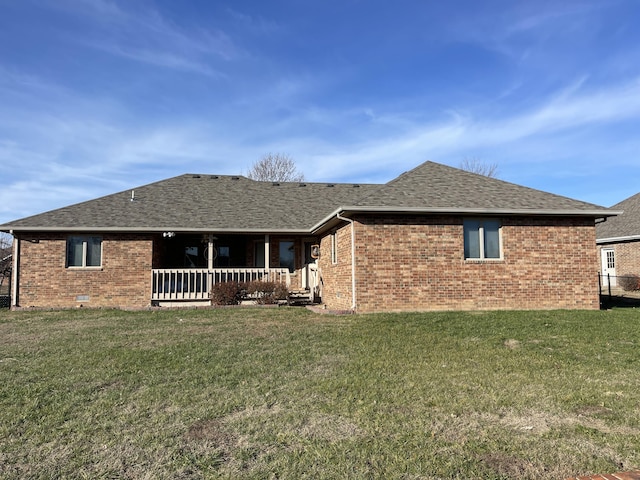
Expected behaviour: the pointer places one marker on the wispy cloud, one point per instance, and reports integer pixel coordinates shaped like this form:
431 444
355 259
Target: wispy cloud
104 9
570 110
523 30
255 23
149 37
161 59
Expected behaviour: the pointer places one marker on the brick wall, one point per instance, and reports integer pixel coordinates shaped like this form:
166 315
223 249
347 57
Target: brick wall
417 263
402 263
336 278
124 280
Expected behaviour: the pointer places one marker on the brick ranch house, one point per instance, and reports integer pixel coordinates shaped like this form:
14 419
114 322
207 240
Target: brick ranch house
618 242
434 238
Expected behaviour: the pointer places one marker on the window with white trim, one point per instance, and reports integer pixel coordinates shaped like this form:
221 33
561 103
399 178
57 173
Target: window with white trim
84 251
482 238
611 259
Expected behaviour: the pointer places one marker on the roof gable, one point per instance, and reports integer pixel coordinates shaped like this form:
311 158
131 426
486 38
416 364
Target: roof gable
436 186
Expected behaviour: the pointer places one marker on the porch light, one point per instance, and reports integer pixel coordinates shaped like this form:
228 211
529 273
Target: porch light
169 234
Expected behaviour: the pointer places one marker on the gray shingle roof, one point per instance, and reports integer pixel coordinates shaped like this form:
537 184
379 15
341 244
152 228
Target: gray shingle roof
625 225
234 203
203 203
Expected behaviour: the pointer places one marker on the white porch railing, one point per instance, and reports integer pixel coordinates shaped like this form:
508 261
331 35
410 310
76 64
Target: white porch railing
195 283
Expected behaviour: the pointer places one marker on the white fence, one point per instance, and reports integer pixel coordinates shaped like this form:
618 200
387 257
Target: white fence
195 283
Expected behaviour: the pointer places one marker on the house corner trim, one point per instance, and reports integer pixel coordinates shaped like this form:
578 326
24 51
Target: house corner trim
14 272
354 302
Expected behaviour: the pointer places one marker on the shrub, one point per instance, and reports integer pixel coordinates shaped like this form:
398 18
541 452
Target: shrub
227 293
629 282
266 293
281 291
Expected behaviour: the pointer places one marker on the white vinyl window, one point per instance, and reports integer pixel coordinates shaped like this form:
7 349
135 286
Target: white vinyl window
85 251
482 239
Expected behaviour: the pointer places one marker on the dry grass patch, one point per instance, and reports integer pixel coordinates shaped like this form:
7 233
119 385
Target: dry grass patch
509 466
512 343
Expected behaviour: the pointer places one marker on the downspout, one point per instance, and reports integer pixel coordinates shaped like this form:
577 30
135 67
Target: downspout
353 260
14 271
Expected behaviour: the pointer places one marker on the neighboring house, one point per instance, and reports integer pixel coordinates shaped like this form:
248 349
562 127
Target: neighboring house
618 241
434 238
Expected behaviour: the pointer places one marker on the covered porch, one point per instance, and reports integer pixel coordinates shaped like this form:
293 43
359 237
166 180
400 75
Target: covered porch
187 265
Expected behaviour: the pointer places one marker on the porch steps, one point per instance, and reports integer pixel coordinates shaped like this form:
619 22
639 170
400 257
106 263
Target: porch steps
300 296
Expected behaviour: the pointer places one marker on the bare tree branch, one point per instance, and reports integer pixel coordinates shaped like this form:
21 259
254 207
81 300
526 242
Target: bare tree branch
475 165
275 167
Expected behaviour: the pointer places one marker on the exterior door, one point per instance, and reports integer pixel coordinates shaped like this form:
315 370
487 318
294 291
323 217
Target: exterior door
608 258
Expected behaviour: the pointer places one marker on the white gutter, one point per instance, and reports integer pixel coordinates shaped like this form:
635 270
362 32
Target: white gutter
618 239
353 260
603 212
282 231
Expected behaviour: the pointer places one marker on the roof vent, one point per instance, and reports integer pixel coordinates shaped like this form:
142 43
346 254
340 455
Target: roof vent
302 185
235 178
356 186
195 176
214 177
275 184
330 185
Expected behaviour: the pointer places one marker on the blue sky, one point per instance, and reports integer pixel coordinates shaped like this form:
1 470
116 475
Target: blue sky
98 96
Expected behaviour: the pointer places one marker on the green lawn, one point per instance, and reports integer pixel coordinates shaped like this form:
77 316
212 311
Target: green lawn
286 393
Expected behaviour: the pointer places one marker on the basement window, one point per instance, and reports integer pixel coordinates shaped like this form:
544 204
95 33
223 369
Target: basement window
482 239
85 251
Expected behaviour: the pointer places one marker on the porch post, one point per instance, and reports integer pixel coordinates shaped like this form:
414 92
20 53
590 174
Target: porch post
210 254
267 261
